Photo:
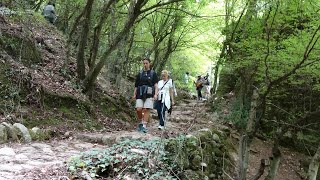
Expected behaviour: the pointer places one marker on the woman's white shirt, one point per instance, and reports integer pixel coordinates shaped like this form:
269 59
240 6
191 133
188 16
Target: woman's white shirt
165 92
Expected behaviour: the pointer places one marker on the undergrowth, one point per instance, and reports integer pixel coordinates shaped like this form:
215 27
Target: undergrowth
143 159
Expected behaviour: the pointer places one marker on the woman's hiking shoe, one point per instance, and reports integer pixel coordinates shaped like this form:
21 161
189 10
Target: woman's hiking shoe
160 127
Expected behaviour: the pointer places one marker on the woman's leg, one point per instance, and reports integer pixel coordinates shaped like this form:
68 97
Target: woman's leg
160 115
199 93
163 114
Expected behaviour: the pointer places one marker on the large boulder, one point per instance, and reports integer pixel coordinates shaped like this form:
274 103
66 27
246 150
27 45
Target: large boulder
11 133
22 132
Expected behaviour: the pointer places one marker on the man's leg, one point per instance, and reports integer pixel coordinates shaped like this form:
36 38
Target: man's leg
199 93
139 113
139 105
146 113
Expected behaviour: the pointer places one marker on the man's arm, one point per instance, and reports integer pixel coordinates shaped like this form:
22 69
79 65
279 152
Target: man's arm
155 91
134 93
136 83
155 81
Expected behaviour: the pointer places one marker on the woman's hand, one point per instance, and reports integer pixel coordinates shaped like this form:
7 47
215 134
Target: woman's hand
173 103
155 97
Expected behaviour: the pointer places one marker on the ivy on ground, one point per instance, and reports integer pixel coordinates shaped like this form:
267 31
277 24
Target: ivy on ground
143 159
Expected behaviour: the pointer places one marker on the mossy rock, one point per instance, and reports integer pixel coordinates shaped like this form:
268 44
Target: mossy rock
20 48
40 135
201 154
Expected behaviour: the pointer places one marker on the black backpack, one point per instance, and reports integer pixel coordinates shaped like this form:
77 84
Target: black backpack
151 75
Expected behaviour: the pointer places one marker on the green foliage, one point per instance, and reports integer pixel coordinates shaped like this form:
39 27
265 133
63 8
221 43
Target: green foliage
239 114
267 43
41 135
146 159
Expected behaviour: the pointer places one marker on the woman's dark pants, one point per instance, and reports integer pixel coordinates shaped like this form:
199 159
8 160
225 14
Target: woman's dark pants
161 109
199 93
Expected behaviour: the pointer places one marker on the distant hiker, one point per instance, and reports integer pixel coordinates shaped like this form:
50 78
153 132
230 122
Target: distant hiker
206 83
186 78
199 85
206 79
49 13
145 91
165 97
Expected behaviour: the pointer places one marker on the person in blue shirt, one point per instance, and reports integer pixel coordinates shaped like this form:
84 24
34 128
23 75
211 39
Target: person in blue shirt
49 12
145 92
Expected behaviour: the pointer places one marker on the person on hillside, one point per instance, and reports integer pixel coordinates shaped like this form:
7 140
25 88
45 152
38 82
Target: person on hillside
199 85
206 83
186 78
49 12
145 92
165 97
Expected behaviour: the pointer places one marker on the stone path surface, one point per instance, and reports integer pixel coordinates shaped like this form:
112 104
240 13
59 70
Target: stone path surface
24 161
17 159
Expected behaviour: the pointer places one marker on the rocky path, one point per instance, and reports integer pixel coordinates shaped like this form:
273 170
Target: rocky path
47 160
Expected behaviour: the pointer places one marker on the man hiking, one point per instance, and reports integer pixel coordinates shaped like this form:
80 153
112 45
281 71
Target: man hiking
145 92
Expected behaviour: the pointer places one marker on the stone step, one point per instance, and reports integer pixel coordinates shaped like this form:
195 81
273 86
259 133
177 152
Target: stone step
111 138
189 108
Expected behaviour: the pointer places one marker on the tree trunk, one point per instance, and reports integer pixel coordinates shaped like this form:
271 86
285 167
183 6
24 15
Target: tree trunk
215 80
171 46
64 21
260 170
314 165
83 41
243 157
111 66
127 65
70 35
94 72
276 157
247 138
97 33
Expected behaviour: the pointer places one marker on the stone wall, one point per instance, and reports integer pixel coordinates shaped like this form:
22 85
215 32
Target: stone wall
201 155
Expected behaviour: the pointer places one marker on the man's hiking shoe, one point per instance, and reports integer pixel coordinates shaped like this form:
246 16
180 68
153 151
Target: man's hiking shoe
160 127
140 126
144 130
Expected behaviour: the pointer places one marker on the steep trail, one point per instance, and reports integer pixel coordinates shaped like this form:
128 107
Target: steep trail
47 160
